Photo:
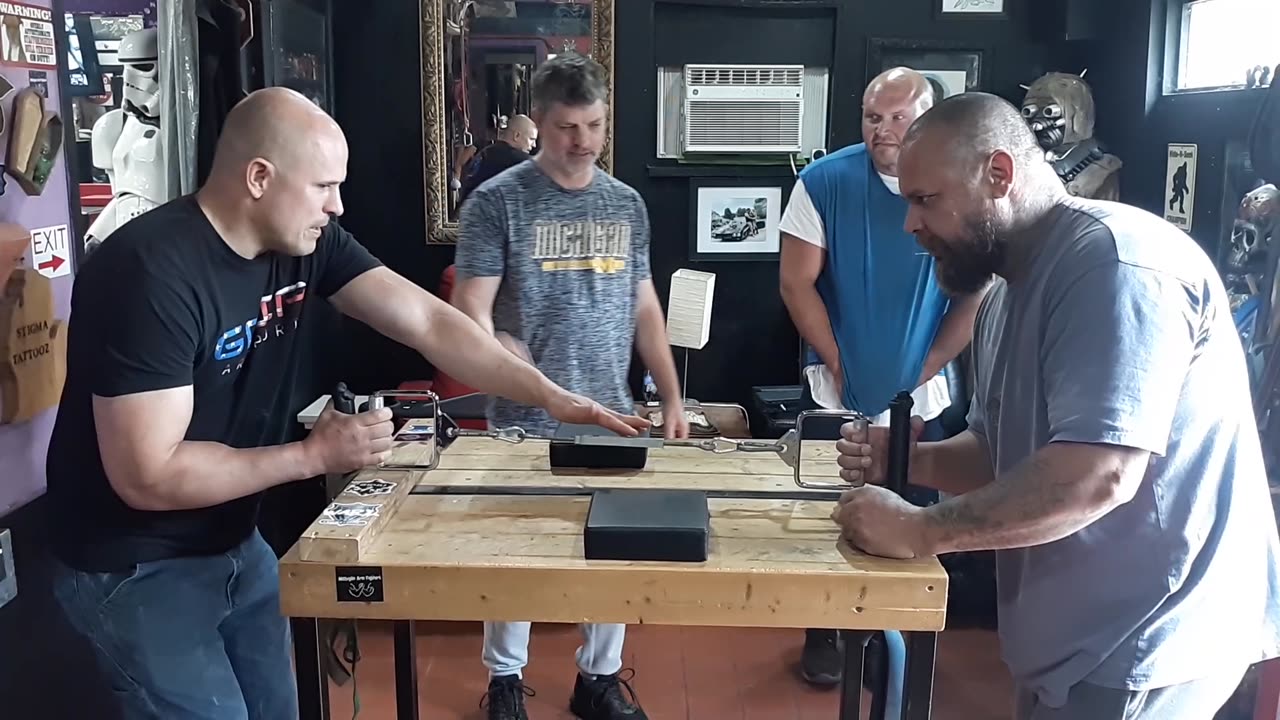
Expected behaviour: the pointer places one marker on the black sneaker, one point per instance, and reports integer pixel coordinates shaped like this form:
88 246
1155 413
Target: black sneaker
505 698
602 698
822 662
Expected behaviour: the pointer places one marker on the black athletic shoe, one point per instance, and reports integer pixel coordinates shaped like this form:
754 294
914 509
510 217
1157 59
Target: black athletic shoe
505 698
602 698
822 662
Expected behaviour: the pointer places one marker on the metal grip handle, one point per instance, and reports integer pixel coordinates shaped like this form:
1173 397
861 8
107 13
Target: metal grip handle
897 468
443 432
344 401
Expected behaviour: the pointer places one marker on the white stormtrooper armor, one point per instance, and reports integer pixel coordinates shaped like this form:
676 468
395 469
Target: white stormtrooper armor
127 143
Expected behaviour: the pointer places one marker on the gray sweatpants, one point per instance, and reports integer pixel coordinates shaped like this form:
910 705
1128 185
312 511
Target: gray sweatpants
1196 700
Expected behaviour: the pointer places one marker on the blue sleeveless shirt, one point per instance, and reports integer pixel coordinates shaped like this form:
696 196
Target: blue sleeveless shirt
882 297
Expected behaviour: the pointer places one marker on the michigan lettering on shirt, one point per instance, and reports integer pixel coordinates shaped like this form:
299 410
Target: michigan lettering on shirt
602 246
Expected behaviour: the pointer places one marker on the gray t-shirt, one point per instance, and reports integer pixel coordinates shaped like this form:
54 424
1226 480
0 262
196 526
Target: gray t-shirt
1121 334
570 262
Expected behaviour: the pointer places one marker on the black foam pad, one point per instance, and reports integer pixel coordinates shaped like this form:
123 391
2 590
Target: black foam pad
659 525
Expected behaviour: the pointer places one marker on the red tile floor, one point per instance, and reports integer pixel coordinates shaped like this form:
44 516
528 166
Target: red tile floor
681 673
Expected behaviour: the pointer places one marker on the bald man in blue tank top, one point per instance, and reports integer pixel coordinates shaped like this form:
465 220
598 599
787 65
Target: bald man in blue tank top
863 294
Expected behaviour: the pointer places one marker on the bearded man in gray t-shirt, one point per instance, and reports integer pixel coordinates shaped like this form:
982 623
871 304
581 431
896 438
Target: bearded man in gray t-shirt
1112 460
553 257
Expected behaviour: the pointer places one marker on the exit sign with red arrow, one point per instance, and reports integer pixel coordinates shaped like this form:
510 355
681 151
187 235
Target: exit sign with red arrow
51 251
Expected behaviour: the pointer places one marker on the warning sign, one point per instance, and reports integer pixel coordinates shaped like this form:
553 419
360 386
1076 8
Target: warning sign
1180 185
50 251
26 35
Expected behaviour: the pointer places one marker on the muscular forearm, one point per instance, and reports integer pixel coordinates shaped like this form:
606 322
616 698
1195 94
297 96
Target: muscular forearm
955 466
809 314
464 350
1044 499
654 349
204 474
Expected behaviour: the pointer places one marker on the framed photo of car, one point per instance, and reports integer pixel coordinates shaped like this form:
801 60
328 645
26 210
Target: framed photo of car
735 218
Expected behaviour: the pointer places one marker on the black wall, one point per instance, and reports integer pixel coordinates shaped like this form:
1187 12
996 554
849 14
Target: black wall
753 341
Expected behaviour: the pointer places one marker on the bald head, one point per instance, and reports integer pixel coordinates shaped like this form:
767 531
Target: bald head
893 100
274 185
521 132
901 83
977 125
275 124
974 179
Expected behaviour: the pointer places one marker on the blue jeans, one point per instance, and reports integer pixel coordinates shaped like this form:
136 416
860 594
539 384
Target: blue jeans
198 638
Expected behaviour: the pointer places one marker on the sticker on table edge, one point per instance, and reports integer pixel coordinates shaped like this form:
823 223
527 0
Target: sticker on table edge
349 514
370 487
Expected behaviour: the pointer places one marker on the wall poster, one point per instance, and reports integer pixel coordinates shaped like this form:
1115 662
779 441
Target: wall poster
1180 185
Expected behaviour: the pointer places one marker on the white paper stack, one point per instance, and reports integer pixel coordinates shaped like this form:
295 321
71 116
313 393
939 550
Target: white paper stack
689 308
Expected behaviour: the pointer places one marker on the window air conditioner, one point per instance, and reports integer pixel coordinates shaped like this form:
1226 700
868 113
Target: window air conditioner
743 108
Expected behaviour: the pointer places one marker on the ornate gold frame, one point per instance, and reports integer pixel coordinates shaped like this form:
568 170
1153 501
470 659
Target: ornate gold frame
434 147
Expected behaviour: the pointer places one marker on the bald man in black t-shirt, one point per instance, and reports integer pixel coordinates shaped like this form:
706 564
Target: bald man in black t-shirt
183 338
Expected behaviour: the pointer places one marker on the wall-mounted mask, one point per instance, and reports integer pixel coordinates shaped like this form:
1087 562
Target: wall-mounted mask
1059 109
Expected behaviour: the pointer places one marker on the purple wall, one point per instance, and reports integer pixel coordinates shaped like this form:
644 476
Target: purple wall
23 446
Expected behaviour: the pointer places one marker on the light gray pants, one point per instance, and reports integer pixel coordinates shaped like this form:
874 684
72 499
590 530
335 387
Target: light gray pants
506 648
1196 700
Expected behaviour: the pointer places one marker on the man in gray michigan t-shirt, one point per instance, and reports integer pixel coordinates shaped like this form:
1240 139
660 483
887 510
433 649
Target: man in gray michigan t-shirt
553 257
1112 458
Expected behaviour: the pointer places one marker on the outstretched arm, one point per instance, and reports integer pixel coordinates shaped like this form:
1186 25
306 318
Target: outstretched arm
445 336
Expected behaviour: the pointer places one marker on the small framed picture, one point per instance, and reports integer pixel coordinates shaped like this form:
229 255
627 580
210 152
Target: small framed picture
735 218
950 69
970 8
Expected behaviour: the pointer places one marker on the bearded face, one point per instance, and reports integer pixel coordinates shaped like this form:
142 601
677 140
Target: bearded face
965 263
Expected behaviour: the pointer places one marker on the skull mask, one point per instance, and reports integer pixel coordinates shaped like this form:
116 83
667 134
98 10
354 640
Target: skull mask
1254 225
1059 108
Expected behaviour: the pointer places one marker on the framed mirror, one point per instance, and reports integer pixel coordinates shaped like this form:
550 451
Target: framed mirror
478 58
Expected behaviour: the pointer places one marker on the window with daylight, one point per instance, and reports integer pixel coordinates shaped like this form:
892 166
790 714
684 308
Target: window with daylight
1221 42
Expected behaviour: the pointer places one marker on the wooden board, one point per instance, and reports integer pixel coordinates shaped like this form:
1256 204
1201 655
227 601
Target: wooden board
347 528
772 564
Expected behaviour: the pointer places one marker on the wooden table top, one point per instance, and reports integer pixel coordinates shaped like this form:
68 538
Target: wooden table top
771 563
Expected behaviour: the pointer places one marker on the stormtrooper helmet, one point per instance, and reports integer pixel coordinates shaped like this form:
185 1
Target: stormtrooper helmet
1251 232
139 54
1059 109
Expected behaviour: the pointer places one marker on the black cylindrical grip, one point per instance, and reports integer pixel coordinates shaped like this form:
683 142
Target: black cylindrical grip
344 401
899 442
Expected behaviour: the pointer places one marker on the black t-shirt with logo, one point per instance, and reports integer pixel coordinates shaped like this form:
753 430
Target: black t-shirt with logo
165 303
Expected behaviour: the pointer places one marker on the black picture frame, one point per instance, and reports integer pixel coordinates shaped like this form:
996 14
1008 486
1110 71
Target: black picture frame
711 193
947 10
935 58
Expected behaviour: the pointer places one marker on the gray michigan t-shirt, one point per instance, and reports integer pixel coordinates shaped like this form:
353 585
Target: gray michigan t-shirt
570 261
1120 333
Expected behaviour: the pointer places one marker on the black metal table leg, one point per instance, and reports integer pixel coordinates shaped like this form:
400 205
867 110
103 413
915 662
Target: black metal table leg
308 658
855 648
917 685
406 660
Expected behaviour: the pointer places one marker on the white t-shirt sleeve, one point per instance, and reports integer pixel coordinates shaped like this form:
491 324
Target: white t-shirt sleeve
801 217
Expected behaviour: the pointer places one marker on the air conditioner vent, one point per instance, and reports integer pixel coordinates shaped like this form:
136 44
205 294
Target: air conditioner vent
743 75
743 108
